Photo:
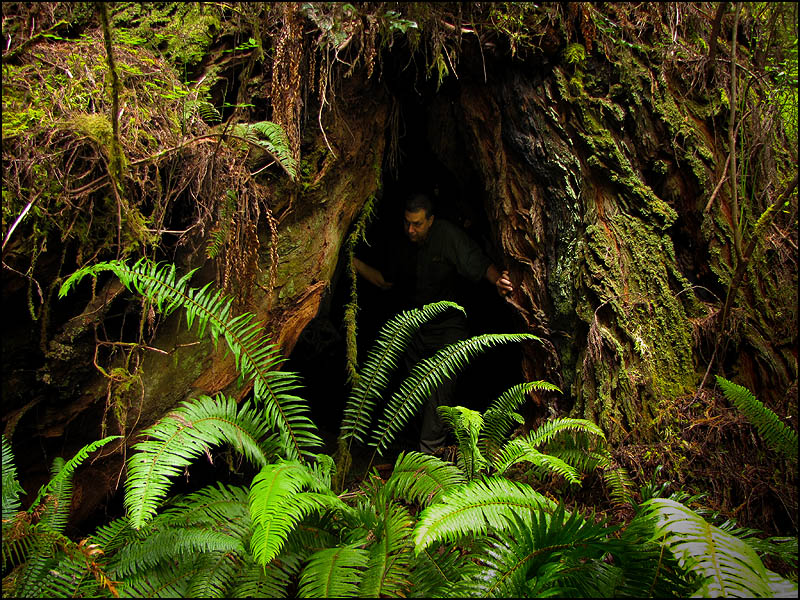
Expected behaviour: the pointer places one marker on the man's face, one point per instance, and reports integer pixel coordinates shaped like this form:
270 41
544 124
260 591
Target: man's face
417 225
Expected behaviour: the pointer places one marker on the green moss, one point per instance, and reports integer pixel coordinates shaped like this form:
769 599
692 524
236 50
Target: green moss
640 344
182 31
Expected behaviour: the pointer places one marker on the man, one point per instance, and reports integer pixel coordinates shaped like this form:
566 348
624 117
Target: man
428 270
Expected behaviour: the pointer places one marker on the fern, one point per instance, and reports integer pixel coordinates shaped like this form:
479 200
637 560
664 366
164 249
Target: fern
436 571
476 509
272 139
530 556
11 487
525 448
388 569
65 471
467 425
382 359
333 573
426 375
277 504
422 478
774 432
255 357
727 565
501 415
181 436
49 564
196 546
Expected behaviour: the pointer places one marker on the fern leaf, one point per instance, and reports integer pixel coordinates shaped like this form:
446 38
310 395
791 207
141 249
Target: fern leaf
333 573
554 428
255 357
500 415
67 469
388 569
272 139
422 478
183 435
114 535
727 565
774 432
520 450
11 487
530 556
381 360
160 546
466 425
475 509
277 505
429 373
256 581
434 573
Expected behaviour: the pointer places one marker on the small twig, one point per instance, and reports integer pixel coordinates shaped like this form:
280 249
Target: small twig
19 219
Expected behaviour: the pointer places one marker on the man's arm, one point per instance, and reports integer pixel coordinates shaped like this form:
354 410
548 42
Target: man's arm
371 274
500 280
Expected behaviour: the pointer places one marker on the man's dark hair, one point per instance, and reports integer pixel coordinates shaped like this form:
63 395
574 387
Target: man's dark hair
419 201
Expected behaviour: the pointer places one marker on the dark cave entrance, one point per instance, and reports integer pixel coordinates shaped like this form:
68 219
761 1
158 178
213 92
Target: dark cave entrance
319 355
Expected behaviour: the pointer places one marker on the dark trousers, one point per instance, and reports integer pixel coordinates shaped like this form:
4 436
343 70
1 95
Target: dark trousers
429 339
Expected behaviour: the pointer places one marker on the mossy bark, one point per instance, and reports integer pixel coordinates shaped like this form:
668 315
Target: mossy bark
593 174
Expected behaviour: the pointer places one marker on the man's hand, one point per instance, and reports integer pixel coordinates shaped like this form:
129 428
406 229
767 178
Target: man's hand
503 284
371 274
500 280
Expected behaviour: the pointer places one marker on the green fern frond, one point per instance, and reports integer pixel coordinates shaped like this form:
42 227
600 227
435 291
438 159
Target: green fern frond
254 356
556 428
500 416
161 546
422 478
114 535
272 139
277 504
184 434
429 373
466 424
530 556
66 470
774 432
66 576
436 571
162 581
520 450
54 504
256 581
224 507
215 575
475 509
333 573
11 487
382 359
388 569
727 565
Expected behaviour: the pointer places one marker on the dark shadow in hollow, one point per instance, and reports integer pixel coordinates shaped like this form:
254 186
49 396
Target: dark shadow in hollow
320 352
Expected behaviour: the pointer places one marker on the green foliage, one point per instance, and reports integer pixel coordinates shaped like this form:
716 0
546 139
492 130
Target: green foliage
255 357
184 434
40 559
432 529
575 54
11 487
277 504
772 430
726 565
422 478
382 359
426 375
271 139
